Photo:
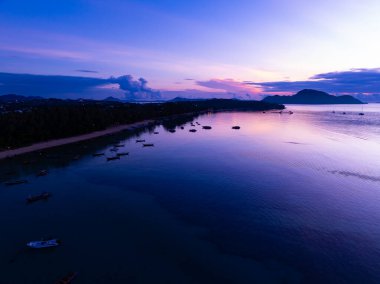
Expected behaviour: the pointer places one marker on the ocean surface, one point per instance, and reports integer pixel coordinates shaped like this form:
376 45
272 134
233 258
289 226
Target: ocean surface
285 199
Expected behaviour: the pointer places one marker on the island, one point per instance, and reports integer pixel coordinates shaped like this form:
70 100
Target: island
312 97
25 121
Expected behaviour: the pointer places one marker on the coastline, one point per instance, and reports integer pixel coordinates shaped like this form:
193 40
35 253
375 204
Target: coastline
74 139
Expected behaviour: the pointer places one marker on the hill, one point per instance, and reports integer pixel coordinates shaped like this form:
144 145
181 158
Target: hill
308 96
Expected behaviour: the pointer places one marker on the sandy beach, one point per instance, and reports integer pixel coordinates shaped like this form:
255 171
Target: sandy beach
69 140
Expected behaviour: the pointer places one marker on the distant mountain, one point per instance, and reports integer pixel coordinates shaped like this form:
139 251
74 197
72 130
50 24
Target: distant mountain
371 98
112 99
11 98
312 97
181 99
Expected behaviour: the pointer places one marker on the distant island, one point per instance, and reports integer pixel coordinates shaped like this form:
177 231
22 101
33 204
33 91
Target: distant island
29 120
312 97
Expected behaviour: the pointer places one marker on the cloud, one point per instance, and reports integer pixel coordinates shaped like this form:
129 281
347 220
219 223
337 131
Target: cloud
75 86
86 71
354 81
230 86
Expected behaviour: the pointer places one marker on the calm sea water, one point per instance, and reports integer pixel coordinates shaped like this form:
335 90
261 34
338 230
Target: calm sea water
285 199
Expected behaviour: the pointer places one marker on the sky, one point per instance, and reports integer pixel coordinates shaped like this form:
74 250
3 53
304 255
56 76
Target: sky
199 48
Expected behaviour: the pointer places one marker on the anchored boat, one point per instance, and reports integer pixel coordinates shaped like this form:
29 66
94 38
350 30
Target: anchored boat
42 196
113 158
68 278
148 145
44 244
16 182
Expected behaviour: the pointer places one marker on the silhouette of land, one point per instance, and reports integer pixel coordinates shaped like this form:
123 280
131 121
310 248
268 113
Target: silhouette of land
308 96
25 121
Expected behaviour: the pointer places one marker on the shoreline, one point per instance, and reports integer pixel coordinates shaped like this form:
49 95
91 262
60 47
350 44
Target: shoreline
72 139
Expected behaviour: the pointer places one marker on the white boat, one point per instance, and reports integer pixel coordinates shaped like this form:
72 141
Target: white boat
44 244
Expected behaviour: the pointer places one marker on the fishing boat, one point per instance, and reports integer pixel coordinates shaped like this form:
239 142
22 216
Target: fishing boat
206 127
156 132
182 127
148 145
42 173
113 158
122 154
290 112
140 140
16 182
361 113
192 130
42 196
68 278
44 244
236 127
118 145
171 130
98 154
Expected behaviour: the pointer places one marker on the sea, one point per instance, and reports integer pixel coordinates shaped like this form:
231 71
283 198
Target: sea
287 198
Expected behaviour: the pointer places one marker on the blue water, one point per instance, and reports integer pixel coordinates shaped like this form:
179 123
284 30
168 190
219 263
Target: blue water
285 199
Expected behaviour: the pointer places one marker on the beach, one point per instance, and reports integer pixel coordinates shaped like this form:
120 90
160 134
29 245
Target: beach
74 139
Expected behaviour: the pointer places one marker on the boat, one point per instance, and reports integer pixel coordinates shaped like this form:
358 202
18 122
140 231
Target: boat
118 145
156 132
192 130
182 127
206 127
76 158
42 173
235 127
361 113
68 278
198 123
98 154
148 145
344 112
114 150
192 124
113 158
123 154
15 182
290 112
140 140
171 130
42 196
44 244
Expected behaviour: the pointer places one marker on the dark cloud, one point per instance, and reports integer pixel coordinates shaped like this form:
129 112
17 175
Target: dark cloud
355 81
74 86
86 71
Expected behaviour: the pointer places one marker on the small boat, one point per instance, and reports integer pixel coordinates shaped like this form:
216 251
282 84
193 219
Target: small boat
42 196
361 113
122 154
264 112
44 244
344 112
192 130
16 182
42 173
290 112
198 123
148 145
235 127
114 150
171 130
98 154
68 278
182 127
206 127
140 140
113 158
118 145
156 132
192 124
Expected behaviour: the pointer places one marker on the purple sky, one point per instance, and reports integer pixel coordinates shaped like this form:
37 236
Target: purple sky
241 48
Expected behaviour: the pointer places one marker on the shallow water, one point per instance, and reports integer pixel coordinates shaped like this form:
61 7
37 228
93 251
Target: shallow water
285 199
